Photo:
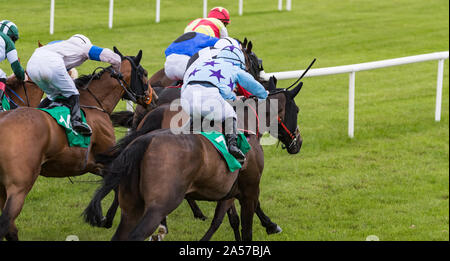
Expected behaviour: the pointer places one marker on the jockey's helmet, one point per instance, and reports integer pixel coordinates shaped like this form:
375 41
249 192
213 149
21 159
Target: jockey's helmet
10 29
79 39
220 13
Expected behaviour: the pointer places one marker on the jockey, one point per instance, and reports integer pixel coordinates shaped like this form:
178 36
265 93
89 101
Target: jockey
208 53
9 34
49 65
180 51
212 82
214 25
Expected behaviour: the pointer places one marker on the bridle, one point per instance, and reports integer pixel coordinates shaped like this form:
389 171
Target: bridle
294 138
136 81
130 93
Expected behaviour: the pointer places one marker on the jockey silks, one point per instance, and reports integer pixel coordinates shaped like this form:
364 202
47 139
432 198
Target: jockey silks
8 51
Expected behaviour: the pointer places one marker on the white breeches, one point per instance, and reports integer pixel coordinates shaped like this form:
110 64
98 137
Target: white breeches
175 66
200 101
48 71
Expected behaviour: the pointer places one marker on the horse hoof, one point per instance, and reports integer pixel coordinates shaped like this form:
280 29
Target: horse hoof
202 217
107 224
274 230
103 223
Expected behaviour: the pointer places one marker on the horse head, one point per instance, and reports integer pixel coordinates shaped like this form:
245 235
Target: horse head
288 131
137 87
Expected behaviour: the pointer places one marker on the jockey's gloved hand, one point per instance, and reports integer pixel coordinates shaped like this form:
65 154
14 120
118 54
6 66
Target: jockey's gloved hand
116 74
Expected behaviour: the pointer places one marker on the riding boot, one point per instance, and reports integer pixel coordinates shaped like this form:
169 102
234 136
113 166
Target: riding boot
75 116
45 103
231 139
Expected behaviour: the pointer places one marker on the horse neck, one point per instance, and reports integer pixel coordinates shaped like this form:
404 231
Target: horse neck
34 94
260 116
30 97
105 93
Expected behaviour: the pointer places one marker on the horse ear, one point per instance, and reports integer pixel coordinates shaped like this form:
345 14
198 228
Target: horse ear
249 47
272 83
296 90
138 57
117 52
39 44
244 44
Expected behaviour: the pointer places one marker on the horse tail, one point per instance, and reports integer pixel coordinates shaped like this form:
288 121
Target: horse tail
152 122
122 119
121 170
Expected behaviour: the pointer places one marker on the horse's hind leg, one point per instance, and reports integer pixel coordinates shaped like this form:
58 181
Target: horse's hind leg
233 217
271 227
12 205
148 223
219 214
196 210
161 204
132 208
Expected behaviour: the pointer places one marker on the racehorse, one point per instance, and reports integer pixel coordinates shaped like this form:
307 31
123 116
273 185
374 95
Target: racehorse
157 170
33 144
166 95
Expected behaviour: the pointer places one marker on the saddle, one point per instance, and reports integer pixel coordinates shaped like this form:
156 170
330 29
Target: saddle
60 111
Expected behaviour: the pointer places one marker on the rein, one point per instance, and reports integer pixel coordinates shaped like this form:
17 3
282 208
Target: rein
280 121
26 93
18 96
91 93
116 75
257 123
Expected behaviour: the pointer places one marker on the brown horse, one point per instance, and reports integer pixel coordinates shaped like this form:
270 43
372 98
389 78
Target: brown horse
157 170
34 144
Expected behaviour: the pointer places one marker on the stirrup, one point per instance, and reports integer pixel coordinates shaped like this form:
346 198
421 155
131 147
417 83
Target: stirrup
82 128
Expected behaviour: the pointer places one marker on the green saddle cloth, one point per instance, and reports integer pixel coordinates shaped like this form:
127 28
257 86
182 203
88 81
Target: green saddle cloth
218 140
5 103
62 116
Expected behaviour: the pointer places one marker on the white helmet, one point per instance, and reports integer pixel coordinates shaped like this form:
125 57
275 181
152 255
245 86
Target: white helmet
79 39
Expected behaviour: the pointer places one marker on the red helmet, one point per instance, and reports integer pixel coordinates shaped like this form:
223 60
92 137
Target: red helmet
220 13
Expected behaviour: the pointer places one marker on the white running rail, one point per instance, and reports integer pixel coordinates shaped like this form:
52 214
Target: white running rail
353 68
158 11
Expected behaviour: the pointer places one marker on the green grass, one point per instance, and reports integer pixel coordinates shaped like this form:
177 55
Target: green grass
390 180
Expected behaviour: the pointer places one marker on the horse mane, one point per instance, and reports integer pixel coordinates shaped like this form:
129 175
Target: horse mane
84 79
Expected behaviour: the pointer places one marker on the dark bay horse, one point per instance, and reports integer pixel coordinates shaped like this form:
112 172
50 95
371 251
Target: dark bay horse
157 170
34 144
288 134
166 95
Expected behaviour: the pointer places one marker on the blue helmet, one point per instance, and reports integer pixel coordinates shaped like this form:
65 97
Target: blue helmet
234 55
